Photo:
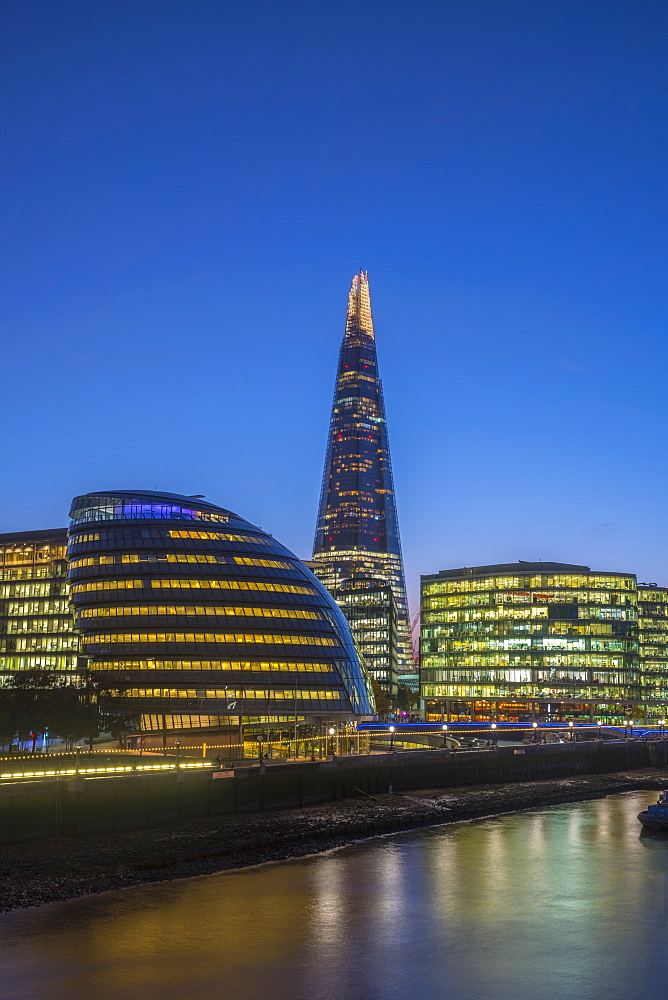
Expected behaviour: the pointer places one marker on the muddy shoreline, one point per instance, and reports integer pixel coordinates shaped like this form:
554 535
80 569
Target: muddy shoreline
68 867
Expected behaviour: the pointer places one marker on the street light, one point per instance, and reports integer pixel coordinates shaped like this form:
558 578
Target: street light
391 737
445 729
177 744
662 723
570 726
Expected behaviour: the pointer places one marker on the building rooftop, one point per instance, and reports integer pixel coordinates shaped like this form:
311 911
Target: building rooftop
43 535
519 568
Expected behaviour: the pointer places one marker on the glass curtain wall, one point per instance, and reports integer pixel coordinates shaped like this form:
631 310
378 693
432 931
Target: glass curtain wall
528 641
195 618
36 619
357 534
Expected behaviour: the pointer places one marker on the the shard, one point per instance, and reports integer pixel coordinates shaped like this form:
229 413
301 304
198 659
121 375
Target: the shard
357 535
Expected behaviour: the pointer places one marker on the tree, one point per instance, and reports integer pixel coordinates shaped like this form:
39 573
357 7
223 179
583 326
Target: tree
381 696
7 721
31 702
407 699
34 701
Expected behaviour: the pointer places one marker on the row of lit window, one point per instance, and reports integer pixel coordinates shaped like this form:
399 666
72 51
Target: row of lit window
527 677
481 629
174 557
212 637
47 606
54 642
219 665
38 661
33 572
553 694
564 643
504 614
225 538
23 626
9 590
290 694
29 554
110 536
197 610
121 509
524 598
363 556
158 723
658 594
565 580
538 658
275 588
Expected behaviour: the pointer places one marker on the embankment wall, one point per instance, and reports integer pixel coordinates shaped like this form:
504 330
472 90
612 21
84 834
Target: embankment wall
76 806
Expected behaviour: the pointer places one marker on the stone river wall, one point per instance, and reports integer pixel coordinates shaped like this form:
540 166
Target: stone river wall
35 810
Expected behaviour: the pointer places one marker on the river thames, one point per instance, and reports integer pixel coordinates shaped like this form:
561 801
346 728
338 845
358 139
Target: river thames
559 903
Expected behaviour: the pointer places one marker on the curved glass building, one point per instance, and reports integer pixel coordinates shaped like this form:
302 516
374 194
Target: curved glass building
195 619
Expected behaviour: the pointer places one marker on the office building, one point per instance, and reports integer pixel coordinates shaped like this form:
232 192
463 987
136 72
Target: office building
371 611
36 620
653 638
526 641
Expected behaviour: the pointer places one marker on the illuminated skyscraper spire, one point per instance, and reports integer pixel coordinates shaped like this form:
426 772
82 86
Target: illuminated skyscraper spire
357 535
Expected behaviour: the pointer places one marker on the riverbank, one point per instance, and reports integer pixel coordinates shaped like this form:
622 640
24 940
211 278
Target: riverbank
68 867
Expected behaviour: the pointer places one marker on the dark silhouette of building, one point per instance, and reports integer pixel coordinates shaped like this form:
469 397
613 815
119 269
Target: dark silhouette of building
357 535
195 619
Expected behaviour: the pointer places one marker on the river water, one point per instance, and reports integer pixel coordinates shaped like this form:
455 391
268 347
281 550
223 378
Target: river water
560 903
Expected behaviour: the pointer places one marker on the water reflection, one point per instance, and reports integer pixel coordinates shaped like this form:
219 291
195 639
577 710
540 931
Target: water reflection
538 904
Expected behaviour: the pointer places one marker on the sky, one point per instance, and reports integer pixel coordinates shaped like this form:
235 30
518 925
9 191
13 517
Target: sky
188 186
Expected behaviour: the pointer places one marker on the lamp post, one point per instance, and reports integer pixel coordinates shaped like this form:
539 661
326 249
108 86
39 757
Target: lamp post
391 738
662 723
570 726
494 734
535 734
629 728
600 731
177 744
331 731
445 729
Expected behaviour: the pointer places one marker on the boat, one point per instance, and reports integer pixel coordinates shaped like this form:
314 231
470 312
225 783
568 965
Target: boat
656 817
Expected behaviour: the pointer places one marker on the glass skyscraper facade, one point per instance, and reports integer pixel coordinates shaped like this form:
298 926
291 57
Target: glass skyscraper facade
527 641
371 610
36 620
357 533
195 619
653 637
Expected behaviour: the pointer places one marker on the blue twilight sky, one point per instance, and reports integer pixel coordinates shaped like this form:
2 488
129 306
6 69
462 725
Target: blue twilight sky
188 187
